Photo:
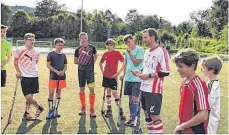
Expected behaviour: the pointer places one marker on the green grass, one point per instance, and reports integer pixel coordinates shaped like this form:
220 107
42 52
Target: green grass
70 122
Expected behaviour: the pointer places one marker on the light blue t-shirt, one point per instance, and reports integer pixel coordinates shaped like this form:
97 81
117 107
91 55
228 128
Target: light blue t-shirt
138 53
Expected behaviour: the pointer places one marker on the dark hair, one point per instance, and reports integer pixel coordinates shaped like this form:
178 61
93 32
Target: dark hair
57 40
110 41
152 32
128 36
187 57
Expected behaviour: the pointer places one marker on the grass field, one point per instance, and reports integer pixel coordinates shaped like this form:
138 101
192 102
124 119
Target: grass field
70 122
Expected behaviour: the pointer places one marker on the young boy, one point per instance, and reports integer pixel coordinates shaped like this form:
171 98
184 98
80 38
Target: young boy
57 64
211 67
194 107
134 56
25 63
110 75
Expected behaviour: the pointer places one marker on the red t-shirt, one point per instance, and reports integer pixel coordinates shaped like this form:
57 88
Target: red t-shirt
112 59
194 97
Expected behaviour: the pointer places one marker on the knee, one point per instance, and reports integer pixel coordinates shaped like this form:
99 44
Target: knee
115 94
134 99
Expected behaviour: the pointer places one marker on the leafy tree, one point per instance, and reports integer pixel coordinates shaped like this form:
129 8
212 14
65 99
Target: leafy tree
5 14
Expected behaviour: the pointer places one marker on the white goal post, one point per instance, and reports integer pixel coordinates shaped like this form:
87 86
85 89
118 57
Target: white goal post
42 45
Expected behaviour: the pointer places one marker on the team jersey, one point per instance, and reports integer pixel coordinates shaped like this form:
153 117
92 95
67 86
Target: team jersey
155 60
6 49
27 62
214 102
193 98
112 59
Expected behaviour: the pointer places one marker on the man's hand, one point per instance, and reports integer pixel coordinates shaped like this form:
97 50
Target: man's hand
18 75
144 76
115 76
136 72
179 128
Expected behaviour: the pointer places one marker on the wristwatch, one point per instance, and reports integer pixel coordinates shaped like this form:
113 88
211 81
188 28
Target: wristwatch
150 75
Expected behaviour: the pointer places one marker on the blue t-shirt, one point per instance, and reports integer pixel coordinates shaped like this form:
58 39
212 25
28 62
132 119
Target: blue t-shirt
138 53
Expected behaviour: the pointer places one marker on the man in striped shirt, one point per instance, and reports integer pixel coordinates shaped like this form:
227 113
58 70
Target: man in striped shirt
155 68
194 106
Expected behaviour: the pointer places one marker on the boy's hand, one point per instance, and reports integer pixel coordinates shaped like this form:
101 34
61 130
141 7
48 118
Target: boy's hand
58 73
128 50
121 77
179 128
115 76
61 73
18 75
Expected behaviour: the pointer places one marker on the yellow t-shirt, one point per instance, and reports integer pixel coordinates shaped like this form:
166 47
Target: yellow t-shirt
6 49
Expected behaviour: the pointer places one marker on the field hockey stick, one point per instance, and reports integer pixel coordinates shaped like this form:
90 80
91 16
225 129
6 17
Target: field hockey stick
137 113
11 110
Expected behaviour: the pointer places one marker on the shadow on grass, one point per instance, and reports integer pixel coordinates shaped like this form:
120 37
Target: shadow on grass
50 127
114 130
82 126
23 129
93 126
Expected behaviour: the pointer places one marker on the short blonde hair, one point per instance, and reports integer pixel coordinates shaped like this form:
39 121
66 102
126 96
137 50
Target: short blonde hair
213 63
110 41
57 40
28 35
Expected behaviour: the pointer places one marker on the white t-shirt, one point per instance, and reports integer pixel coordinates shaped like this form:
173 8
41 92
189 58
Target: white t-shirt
214 102
27 62
155 60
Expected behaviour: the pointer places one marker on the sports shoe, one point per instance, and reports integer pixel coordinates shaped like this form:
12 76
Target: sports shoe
57 114
50 115
83 111
27 116
130 122
39 111
108 113
92 113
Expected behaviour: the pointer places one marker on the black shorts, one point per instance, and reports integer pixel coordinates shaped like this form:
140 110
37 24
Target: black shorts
86 76
109 83
151 102
29 85
3 78
132 88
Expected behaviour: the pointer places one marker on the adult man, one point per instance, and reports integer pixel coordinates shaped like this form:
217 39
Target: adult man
134 56
6 53
25 63
85 57
155 68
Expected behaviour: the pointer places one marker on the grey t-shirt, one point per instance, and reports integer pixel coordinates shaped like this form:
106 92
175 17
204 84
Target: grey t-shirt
57 61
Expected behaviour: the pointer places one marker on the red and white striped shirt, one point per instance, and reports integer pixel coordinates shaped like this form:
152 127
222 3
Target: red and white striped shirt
194 97
155 60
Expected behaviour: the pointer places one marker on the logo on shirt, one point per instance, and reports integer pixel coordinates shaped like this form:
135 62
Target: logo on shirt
154 57
85 52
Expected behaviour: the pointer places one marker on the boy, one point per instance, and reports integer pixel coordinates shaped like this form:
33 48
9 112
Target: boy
194 107
134 56
110 75
25 63
211 67
85 57
57 64
6 52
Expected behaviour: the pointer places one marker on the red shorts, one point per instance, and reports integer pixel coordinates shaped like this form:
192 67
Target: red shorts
53 84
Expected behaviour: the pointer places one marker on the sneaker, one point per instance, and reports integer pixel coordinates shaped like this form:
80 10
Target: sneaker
130 122
137 128
27 116
50 115
108 113
57 114
39 111
83 111
92 113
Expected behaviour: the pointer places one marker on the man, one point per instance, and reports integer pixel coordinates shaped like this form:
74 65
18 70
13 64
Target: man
25 63
57 64
85 57
155 68
6 53
134 56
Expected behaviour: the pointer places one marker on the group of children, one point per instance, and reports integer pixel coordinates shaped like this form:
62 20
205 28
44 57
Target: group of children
143 73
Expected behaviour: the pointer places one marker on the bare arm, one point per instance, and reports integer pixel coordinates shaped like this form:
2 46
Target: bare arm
65 68
135 61
7 61
95 57
49 66
16 65
76 61
101 66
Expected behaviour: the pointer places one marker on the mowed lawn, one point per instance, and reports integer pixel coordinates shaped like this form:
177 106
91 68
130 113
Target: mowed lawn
70 122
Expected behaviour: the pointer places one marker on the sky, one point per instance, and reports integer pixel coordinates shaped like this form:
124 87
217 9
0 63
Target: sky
175 11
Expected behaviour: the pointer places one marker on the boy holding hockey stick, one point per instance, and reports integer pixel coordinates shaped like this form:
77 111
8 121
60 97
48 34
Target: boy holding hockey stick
57 64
